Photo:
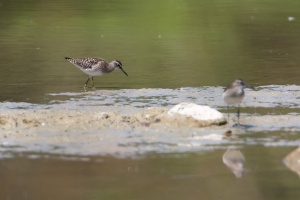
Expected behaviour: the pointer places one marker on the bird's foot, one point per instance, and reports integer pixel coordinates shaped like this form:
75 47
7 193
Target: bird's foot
85 88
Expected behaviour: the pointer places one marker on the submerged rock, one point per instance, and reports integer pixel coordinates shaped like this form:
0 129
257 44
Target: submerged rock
292 161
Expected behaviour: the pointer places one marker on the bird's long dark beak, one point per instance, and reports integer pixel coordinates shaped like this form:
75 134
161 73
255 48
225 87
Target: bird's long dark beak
250 87
123 71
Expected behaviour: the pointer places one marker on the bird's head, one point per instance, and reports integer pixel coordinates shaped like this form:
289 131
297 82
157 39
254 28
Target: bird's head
241 82
117 64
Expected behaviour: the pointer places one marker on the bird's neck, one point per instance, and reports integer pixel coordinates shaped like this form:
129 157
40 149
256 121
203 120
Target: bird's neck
110 67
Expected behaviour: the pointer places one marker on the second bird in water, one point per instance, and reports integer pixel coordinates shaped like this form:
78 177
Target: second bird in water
234 94
95 66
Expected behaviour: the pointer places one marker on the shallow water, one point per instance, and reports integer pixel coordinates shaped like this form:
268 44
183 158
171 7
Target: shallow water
179 51
269 118
170 176
150 162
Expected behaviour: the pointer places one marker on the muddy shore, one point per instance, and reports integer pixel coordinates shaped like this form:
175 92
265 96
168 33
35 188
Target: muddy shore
100 124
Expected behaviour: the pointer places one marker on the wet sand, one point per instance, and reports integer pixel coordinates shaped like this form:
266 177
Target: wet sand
92 132
85 126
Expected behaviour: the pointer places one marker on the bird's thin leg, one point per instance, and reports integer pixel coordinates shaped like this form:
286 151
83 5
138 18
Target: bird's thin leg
92 81
85 85
228 113
238 115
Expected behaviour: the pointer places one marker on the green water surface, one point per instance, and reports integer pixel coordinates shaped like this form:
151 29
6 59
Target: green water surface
162 44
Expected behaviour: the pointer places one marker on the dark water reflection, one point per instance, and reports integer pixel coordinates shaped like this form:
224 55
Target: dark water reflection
176 176
164 44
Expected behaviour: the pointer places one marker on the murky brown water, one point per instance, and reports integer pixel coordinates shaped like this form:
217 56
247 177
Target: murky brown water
130 161
156 176
186 49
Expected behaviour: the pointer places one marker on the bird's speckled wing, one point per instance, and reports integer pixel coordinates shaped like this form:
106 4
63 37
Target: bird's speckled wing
88 63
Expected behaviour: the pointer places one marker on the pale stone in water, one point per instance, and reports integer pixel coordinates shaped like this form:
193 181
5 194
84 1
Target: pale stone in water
198 112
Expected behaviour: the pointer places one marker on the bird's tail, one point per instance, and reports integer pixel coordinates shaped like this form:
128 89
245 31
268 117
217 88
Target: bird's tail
68 58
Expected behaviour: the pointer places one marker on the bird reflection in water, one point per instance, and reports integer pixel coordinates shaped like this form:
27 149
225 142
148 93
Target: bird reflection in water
234 160
292 161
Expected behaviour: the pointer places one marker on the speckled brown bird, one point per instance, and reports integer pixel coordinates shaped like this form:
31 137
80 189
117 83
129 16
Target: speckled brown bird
95 66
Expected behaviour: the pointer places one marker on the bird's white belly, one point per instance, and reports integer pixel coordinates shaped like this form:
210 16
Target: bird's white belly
91 72
233 100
